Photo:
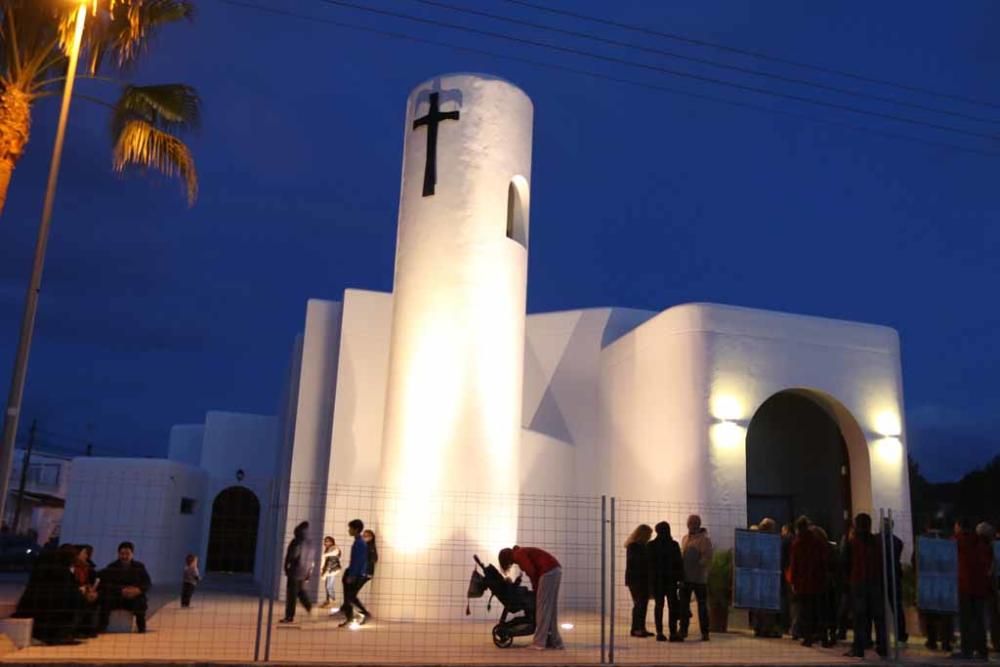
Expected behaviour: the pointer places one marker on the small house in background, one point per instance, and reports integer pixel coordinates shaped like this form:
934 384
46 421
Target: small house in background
43 498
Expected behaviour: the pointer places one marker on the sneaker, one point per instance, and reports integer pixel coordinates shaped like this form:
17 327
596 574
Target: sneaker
675 639
536 647
344 623
287 620
661 637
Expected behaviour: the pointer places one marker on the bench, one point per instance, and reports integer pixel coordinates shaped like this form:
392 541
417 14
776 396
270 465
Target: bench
120 621
18 630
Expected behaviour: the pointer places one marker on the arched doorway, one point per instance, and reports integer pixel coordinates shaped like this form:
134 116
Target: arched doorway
232 537
801 457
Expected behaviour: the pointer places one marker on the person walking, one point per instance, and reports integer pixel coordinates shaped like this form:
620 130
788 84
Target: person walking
354 575
808 569
666 570
975 562
545 574
330 569
298 570
696 552
369 537
865 558
637 577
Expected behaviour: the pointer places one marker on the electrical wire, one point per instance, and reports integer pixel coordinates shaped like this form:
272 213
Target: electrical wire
753 54
704 61
605 77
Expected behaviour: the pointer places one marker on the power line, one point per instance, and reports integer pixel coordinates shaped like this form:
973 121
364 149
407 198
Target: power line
704 61
656 68
753 54
597 75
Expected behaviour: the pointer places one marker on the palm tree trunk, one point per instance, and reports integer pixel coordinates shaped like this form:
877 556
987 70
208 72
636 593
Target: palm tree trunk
15 127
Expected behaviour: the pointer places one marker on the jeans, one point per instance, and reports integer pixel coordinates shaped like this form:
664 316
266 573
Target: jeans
351 587
701 594
330 583
640 605
868 609
972 624
673 606
810 616
295 592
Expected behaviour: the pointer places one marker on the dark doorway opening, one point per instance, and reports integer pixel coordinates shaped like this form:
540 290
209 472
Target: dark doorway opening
232 537
797 463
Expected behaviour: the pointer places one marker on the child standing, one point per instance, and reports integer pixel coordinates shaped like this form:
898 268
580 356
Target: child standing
191 578
330 569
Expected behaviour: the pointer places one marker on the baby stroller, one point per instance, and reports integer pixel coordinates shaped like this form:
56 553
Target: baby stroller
515 598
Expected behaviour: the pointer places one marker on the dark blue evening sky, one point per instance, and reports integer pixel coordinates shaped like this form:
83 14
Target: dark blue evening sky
152 313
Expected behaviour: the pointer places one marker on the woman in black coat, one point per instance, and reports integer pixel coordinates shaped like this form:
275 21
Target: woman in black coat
666 570
637 577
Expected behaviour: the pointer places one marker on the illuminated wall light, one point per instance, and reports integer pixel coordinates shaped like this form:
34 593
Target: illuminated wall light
567 626
727 407
888 424
727 435
889 450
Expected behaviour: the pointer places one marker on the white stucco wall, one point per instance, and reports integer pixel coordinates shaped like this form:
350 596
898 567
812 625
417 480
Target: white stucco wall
139 500
678 393
363 362
185 443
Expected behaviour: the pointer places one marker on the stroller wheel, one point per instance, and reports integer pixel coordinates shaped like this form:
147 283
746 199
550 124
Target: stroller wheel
502 637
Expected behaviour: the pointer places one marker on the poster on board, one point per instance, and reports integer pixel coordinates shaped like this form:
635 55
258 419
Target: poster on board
937 575
757 571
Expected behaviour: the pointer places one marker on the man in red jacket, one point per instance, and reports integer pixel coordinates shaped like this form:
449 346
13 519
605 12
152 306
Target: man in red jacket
809 563
545 574
975 560
864 558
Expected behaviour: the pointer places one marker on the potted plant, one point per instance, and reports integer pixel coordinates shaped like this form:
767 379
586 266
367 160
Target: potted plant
720 590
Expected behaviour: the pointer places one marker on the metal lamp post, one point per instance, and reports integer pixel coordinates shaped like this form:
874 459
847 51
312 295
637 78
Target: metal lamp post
13 411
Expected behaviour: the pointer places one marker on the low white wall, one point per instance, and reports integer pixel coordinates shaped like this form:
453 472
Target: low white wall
185 443
138 500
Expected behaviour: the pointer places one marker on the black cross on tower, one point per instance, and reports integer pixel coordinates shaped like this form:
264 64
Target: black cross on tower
431 120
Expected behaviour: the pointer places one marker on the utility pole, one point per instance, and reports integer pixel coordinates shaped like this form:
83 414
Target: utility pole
24 475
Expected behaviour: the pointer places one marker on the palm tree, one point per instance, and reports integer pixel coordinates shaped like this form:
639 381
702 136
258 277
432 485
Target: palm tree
145 120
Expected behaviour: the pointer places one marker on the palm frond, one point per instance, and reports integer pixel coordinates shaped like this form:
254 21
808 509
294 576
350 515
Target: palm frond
143 145
172 106
123 29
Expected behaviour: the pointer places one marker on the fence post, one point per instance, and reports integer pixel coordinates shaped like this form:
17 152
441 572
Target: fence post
611 615
274 578
265 570
897 598
604 583
886 616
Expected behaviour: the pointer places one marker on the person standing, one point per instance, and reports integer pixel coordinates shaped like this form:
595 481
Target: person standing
975 560
190 579
808 569
298 569
696 551
666 570
545 574
369 537
940 626
865 578
354 575
124 585
329 569
637 577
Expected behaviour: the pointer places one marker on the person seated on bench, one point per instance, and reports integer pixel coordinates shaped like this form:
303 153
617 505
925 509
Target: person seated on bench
52 598
124 584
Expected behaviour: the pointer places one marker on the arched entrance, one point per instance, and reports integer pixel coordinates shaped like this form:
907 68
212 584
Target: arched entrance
232 537
804 457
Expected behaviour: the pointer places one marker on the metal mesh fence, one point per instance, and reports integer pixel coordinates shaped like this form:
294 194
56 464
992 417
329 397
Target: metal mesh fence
413 608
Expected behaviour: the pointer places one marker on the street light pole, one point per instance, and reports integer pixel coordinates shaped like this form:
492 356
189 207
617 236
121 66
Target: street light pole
16 395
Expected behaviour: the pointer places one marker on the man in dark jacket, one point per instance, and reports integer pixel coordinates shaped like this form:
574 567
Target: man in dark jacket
975 560
124 585
807 575
666 571
865 577
298 569
892 547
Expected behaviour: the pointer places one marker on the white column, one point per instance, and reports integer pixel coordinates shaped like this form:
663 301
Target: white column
453 406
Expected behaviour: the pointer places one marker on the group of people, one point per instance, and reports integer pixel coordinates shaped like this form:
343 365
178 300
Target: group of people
669 573
300 562
70 600
828 587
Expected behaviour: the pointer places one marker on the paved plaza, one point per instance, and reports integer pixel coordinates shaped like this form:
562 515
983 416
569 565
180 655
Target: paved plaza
222 627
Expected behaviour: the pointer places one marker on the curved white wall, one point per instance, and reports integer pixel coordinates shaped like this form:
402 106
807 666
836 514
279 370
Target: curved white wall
453 406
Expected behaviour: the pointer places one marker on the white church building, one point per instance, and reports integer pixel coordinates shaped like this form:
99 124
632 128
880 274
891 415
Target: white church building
446 387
